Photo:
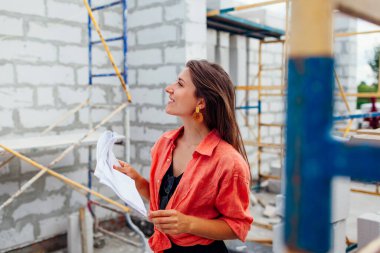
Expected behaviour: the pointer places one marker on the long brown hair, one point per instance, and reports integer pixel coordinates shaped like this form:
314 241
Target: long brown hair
214 85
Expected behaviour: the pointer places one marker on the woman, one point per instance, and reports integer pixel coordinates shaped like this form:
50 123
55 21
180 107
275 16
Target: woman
199 179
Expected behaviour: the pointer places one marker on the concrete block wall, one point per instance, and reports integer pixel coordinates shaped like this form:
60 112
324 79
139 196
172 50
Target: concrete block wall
44 73
345 60
164 35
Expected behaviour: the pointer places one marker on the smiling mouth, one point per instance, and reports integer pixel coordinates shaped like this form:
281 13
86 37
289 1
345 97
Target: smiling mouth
171 100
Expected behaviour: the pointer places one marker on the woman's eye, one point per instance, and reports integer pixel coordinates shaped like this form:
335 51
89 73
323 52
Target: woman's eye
179 84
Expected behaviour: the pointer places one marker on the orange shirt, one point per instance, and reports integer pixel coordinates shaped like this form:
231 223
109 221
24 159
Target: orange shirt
215 185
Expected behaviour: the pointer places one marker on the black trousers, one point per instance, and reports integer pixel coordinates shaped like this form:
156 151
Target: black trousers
214 247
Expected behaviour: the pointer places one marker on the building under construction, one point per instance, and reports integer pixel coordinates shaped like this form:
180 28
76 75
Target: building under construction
72 69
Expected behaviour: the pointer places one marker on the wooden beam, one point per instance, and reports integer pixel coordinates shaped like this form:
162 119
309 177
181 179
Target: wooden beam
368 10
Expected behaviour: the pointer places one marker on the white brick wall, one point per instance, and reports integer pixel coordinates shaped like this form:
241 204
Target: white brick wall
161 75
43 71
174 54
28 51
147 3
100 58
142 96
144 57
36 7
67 11
6 119
45 96
197 51
194 33
112 18
53 203
145 134
78 200
144 153
222 51
13 98
145 17
45 159
175 12
42 118
55 32
154 115
98 115
11 26
73 54
72 95
16 236
53 184
165 33
99 95
52 226
40 74
7 74
196 12
8 188
82 75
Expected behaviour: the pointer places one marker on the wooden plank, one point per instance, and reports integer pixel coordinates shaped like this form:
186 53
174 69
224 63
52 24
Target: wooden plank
51 141
311 28
75 185
368 10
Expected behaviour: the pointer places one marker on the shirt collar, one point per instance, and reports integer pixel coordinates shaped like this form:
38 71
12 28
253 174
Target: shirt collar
207 145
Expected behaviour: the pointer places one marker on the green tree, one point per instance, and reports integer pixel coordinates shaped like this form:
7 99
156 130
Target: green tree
374 61
363 87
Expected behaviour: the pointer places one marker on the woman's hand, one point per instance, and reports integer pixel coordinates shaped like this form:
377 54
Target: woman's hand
128 170
170 222
141 183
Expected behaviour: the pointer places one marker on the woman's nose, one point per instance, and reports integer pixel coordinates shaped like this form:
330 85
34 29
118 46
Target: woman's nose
169 89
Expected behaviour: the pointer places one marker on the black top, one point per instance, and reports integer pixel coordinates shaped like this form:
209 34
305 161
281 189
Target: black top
167 188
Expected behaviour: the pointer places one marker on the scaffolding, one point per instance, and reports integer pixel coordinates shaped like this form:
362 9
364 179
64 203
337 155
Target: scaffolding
72 141
265 91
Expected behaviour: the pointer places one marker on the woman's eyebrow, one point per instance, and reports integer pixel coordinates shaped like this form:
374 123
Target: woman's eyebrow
181 80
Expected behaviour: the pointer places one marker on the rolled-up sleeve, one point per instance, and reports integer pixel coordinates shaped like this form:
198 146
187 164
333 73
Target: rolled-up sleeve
233 203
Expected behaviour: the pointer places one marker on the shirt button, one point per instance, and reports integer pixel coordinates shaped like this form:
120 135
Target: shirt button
168 160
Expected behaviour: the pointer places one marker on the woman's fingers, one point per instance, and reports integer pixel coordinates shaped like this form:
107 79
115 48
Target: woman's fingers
166 220
123 170
126 169
122 163
162 213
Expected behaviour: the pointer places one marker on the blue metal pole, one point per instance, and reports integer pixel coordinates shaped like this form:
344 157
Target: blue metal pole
247 107
107 40
125 68
89 47
104 75
106 5
358 116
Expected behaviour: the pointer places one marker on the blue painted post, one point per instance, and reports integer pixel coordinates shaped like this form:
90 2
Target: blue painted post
125 68
313 158
89 31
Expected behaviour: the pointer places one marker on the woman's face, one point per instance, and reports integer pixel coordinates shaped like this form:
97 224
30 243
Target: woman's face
182 99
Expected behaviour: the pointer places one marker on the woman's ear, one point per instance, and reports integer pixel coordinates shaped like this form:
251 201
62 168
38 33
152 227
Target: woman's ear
201 103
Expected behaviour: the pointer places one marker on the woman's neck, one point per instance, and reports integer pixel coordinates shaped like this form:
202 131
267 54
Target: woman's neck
194 132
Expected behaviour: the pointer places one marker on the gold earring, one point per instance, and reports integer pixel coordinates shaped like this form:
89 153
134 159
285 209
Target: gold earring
197 115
